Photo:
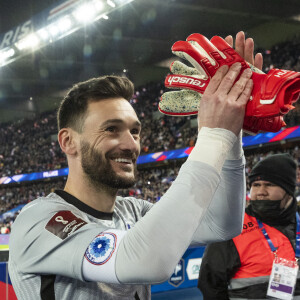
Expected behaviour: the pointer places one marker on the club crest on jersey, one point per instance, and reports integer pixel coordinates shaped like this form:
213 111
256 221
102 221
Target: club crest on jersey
101 248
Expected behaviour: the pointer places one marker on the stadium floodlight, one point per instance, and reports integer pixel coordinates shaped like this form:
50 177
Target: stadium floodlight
296 18
111 3
61 20
124 1
64 24
99 5
5 54
53 29
85 13
30 41
43 34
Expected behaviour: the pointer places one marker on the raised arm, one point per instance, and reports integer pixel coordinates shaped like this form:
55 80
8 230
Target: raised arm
224 217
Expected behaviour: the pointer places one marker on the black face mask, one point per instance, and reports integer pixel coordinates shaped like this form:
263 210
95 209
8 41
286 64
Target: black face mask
267 208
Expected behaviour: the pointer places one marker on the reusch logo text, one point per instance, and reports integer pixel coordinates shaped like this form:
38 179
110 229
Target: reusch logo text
185 80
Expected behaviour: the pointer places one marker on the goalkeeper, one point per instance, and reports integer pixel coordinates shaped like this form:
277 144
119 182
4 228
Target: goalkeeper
85 242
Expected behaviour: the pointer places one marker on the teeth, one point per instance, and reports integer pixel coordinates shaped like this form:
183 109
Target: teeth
123 160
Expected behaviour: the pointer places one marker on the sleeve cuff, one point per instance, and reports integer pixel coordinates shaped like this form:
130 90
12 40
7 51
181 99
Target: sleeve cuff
213 146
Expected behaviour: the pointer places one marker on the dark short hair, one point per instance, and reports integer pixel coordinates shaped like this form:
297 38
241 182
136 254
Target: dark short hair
73 108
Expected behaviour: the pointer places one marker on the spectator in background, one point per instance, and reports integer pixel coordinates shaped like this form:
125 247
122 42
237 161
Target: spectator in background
241 267
5 228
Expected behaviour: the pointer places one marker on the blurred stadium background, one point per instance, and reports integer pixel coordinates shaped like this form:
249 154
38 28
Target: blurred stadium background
47 46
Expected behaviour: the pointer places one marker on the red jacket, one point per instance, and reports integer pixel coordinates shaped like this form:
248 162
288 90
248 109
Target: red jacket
240 267
255 254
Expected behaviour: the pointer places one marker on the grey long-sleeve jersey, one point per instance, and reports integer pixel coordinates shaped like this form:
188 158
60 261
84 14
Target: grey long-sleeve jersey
52 237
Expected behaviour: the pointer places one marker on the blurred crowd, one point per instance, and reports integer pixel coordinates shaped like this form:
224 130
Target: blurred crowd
31 146
28 146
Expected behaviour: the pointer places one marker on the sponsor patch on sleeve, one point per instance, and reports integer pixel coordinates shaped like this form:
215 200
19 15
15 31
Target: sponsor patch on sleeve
101 248
64 223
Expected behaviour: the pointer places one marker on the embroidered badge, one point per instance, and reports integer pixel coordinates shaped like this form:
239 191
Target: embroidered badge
101 248
64 223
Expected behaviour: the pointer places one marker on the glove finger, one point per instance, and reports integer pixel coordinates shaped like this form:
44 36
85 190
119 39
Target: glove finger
188 52
226 49
177 67
222 45
231 56
203 44
180 103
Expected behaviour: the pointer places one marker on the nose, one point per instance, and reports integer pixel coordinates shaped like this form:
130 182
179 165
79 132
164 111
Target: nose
261 193
262 190
130 142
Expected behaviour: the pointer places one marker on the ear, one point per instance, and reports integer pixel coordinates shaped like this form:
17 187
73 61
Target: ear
67 139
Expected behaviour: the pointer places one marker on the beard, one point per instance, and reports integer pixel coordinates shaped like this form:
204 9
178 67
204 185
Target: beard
99 171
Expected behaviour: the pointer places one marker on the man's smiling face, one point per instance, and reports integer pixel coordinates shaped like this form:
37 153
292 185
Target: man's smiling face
110 143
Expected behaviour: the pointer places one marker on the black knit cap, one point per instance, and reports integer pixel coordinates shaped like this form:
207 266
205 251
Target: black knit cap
280 169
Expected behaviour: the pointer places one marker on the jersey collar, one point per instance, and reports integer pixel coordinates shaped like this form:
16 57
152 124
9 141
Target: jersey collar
83 207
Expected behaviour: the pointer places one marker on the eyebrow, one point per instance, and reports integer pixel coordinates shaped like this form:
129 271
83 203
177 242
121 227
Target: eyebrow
118 121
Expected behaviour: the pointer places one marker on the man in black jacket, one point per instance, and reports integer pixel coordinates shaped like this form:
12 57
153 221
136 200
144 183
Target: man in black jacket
240 268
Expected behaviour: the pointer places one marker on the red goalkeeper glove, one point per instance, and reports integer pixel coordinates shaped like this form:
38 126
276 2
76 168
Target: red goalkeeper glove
277 89
269 124
273 93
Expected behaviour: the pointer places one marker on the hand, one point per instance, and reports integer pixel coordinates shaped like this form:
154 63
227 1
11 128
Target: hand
223 102
254 124
245 48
